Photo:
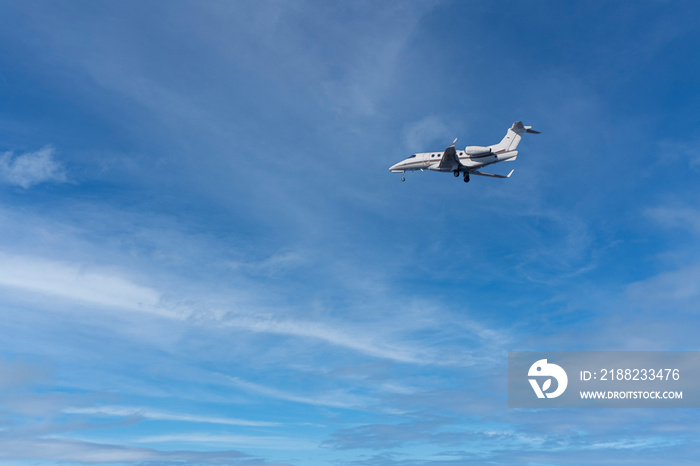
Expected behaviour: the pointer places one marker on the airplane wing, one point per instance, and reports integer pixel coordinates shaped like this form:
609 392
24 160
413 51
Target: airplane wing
449 160
476 172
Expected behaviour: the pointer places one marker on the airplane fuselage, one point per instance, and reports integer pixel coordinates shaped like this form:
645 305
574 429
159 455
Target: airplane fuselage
431 161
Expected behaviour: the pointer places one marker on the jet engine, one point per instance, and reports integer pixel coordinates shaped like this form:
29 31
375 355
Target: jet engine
477 151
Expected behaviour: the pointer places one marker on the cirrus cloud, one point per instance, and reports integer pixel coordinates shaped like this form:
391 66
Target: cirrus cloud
31 168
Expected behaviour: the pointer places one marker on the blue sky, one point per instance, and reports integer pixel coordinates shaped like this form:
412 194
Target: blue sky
205 260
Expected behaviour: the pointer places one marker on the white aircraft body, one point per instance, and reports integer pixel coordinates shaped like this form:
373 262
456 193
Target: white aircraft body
469 160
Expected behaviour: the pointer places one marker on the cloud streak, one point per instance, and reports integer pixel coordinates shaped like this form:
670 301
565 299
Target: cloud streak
62 449
334 399
152 414
77 283
266 442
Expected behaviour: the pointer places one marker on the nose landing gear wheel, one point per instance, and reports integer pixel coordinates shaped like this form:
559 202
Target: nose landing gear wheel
403 178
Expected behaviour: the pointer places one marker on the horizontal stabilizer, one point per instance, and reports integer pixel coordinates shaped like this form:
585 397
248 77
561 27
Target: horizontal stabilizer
530 130
476 172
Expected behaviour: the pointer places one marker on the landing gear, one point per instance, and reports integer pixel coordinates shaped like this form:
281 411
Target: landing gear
456 172
403 178
466 177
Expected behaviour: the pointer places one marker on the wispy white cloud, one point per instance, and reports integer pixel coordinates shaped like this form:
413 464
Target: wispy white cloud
64 449
687 150
335 398
354 72
148 413
395 342
31 168
239 441
77 283
418 135
369 343
272 264
677 289
677 217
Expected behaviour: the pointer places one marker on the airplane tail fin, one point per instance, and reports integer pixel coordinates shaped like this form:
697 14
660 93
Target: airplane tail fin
512 138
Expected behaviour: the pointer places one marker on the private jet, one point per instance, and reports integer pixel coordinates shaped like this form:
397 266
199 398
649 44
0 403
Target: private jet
470 160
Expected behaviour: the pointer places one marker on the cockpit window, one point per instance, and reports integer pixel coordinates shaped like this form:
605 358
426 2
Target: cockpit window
412 156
